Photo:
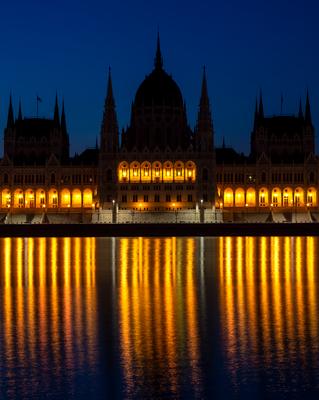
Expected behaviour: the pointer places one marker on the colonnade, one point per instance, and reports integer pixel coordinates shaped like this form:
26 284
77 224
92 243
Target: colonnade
264 197
42 198
156 171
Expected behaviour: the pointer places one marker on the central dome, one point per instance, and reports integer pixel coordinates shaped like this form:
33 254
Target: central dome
158 89
158 117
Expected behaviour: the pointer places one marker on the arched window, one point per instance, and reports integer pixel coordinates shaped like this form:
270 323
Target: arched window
263 197
53 198
123 172
299 197
146 171
228 197
156 171
276 197
311 197
65 198
135 171
179 171
251 197
168 171
190 171
240 197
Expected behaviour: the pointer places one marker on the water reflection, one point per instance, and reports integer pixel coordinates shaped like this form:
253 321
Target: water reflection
48 301
269 311
158 314
172 317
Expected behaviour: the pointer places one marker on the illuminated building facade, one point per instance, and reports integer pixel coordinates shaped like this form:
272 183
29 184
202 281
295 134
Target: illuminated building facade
159 164
36 172
281 172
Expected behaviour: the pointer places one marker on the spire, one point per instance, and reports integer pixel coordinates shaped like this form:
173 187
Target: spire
56 117
261 105
204 100
256 115
10 121
109 131
158 62
63 119
109 95
307 110
204 127
20 111
300 113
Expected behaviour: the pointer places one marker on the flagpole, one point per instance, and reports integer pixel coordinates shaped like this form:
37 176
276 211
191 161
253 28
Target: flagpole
37 106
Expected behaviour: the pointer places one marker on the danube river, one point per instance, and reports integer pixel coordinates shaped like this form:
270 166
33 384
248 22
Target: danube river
154 318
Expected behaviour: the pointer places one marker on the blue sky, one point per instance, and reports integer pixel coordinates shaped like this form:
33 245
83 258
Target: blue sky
67 46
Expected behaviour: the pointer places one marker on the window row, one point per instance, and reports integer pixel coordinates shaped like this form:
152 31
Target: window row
157 171
274 177
52 198
156 187
156 198
35 179
275 197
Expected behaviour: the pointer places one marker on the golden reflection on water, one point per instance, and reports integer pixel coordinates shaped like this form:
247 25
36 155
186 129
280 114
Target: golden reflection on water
162 298
158 310
268 300
48 302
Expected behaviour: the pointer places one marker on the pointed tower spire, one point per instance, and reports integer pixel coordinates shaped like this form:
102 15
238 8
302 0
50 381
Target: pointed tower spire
261 105
256 115
10 120
56 117
64 134
109 131
158 62
20 111
308 111
204 127
63 119
109 95
204 100
300 113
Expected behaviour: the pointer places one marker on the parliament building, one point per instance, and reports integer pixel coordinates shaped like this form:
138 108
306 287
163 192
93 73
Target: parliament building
159 168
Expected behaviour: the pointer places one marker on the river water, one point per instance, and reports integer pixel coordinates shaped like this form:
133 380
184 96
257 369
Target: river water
143 318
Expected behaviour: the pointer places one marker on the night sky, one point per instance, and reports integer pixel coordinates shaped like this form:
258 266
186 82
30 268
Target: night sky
67 46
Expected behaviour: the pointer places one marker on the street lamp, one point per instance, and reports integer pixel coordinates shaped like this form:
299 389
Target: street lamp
201 211
175 210
113 211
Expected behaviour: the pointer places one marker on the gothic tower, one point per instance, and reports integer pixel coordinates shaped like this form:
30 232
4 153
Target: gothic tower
9 132
204 134
283 138
204 147
109 144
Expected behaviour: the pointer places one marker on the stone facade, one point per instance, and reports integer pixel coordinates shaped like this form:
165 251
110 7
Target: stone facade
158 169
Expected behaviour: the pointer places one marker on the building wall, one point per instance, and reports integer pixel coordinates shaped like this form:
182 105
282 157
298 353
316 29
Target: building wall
267 186
51 187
